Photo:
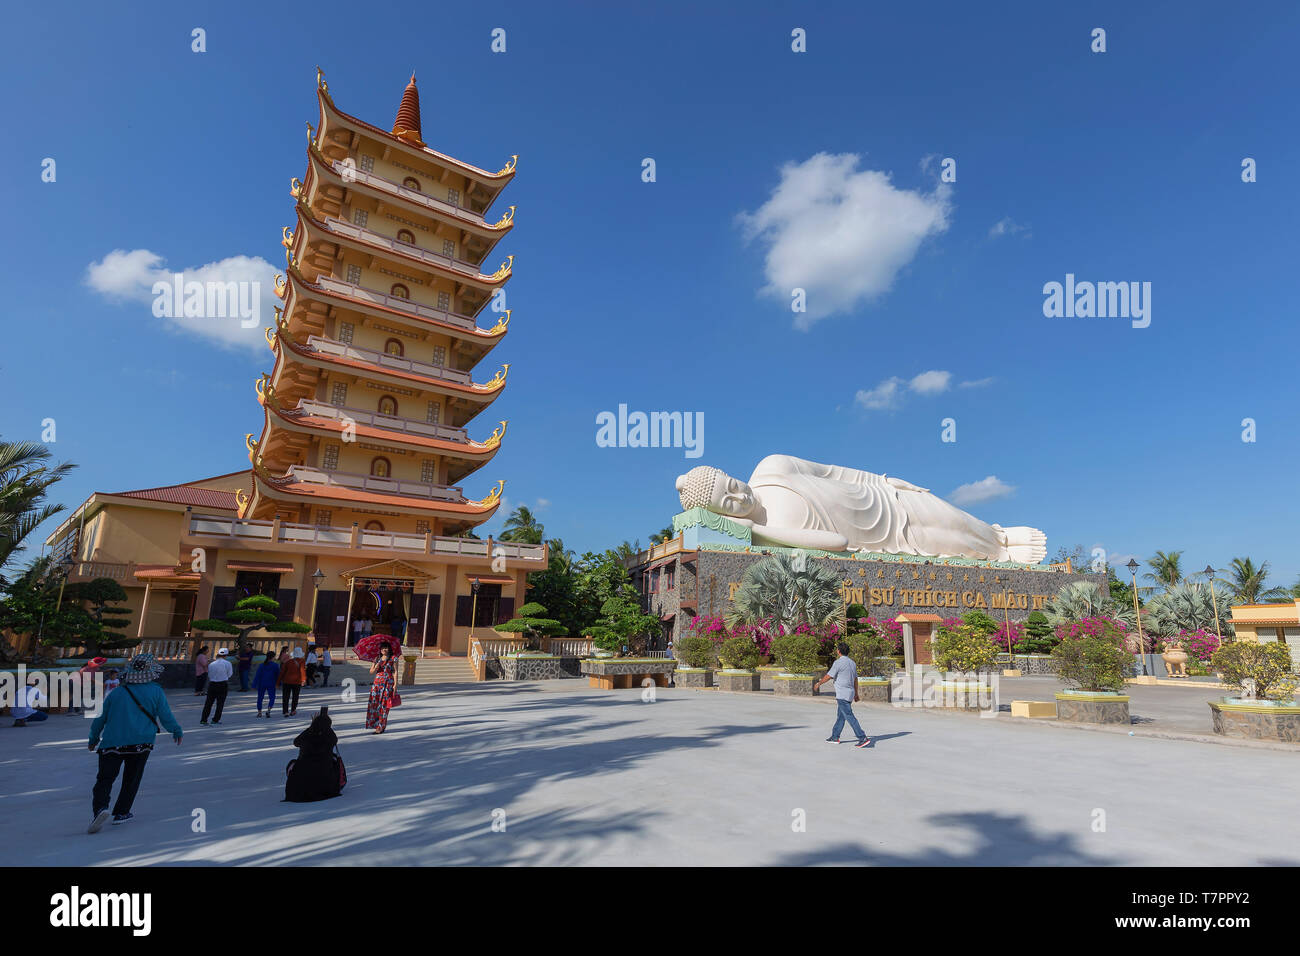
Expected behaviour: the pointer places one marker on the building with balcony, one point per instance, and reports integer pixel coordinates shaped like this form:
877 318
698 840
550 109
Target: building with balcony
359 495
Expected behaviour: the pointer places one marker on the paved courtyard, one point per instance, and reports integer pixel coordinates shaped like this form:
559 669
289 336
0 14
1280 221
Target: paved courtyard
696 777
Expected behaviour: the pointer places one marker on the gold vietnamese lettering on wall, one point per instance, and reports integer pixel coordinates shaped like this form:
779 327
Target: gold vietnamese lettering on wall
930 597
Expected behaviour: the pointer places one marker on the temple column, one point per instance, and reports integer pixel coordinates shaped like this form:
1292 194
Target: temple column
447 612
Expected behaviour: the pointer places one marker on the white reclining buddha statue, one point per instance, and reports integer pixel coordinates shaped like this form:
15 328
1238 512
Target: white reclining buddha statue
793 503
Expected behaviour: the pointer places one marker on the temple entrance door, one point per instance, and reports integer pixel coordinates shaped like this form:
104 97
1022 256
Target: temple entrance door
182 612
921 642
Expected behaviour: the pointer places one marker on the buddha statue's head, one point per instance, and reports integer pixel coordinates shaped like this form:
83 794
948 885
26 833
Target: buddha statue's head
714 490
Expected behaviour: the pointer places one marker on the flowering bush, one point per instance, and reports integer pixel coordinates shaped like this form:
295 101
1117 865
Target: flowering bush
964 649
892 630
1017 632
1200 644
1104 627
712 627
760 633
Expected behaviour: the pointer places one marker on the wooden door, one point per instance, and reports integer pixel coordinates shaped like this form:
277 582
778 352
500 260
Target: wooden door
921 643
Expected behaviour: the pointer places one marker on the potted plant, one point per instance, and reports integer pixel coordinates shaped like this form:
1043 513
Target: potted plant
738 657
797 656
1264 706
1093 659
696 655
871 653
965 652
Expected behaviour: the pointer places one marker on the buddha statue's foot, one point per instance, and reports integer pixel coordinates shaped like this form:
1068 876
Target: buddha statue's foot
1024 544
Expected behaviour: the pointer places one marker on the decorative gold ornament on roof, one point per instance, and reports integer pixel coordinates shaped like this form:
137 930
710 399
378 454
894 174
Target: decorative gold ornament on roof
510 166
270 336
505 220
311 135
320 81
505 268
295 187
252 445
493 496
502 324
280 285
241 499
500 377
286 237
495 438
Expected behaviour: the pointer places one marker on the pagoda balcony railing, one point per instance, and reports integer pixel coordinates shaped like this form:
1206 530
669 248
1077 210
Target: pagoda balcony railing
387 486
345 228
408 426
375 297
323 537
386 360
351 172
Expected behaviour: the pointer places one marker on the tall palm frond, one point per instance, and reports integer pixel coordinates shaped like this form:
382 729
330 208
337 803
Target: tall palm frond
775 590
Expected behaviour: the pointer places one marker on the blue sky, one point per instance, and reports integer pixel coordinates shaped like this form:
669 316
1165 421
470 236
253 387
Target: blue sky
1115 166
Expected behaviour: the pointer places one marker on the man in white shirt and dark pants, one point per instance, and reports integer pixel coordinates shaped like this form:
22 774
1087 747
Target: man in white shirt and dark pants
845 674
219 672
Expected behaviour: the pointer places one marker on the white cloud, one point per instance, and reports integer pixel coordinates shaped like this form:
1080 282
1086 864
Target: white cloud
543 503
931 383
129 277
978 383
884 395
1007 227
840 233
987 489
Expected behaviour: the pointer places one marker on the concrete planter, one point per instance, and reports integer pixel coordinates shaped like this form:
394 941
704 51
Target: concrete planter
876 690
534 666
737 680
794 685
965 694
611 673
1092 707
698 677
1256 719
1034 665
767 676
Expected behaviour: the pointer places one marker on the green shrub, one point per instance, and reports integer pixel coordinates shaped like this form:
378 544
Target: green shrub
1266 666
738 653
1097 661
870 652
1039 636
965 649
209 624
980 622
694 651
796 653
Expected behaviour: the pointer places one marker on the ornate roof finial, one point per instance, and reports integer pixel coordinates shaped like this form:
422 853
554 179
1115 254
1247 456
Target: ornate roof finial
407 125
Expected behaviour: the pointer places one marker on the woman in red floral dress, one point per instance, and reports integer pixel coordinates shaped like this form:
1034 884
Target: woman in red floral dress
382 690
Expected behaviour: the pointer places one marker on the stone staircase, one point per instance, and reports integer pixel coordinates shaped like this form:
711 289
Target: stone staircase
444 670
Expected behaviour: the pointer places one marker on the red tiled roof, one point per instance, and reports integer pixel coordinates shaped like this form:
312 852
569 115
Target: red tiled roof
186 495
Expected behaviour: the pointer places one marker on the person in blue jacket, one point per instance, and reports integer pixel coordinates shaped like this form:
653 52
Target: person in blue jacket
268 672
124 732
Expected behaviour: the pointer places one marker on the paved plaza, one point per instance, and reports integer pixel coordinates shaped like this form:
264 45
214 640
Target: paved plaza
695 777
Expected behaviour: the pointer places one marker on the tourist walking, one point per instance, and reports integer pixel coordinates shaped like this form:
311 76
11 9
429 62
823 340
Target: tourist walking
845 675
326 662
124 732
383 690
265 681
311 665
29 698
292 676
284 655
200 671
245 666
219 672
317 772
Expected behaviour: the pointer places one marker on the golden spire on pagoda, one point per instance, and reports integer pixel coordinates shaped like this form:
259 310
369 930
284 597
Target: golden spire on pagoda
407 125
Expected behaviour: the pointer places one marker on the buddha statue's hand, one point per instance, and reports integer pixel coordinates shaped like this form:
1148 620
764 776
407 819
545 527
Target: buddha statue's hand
799 538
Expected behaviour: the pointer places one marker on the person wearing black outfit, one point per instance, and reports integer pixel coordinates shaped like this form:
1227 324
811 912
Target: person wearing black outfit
316 774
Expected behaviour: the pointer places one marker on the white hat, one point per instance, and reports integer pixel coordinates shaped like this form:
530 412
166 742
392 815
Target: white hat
223 652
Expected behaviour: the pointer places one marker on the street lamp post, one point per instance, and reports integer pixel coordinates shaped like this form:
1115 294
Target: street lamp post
316 578
1137 614
473 607
1209 576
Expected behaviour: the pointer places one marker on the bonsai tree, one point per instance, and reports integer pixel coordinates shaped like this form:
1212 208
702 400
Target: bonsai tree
1260 671
1092 655
532 622
796 653
1038 638
694 651
869 652
94 618
621 623
965 648
249 614
738 653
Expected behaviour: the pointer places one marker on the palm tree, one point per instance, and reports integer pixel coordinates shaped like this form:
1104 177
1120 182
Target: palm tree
1246 584
1165 570
667 534
25 477
1080 599
522 526
1187 606
775 590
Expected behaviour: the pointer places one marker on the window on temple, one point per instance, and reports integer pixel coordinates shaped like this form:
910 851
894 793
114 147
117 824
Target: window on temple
654 582
324 519
331 460
374 526
428 472
439 355
406 236
449 249
444 301
410 182
668 578
354 275
422 527
387 405
380 468
453 196
360 217
394 347
486 611
399 290
367 163
433 413
339 394
346 330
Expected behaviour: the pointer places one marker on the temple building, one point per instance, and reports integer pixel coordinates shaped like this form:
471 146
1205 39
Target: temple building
373 427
